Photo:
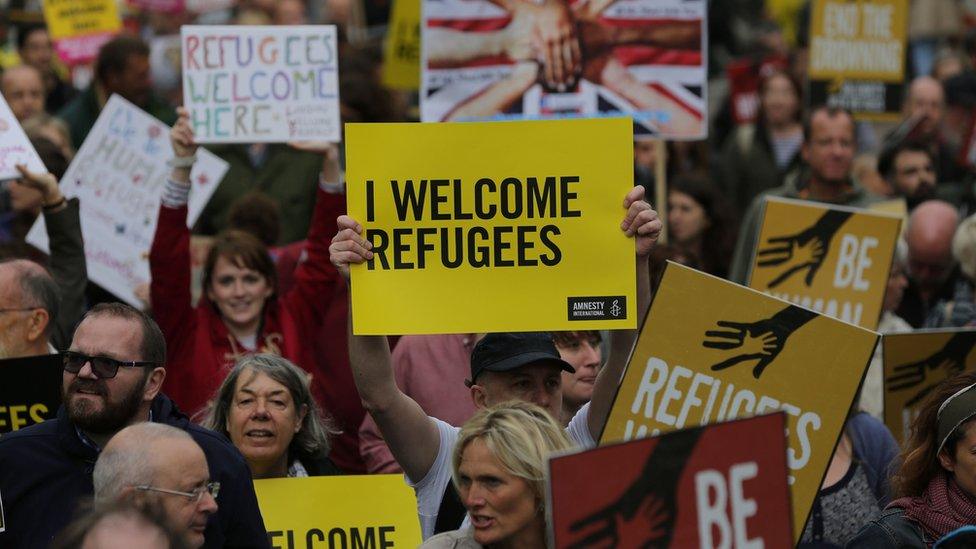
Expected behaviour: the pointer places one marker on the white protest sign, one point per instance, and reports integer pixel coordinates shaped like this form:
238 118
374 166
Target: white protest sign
118 176
15 148
261 84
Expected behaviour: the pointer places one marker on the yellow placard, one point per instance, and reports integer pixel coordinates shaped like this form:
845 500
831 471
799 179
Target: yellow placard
712 351
858 39
344 511
831 259
493 226
401 50
72 18
914 364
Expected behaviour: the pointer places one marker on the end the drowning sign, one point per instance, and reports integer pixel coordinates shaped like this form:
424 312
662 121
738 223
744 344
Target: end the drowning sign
499 226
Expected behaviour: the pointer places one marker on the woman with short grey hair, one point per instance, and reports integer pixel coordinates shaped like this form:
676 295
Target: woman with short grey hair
265 407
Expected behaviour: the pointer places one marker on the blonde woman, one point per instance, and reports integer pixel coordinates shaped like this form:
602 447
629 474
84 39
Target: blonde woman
499 465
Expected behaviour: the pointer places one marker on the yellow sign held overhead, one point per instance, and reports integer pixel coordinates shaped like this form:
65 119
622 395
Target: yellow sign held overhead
712 351
914 364
344 511
495 226
831 259
401 50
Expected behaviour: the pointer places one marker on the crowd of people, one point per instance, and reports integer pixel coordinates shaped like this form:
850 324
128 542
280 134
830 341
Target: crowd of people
241 363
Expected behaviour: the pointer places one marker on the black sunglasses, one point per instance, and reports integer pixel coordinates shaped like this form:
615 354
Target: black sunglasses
103 367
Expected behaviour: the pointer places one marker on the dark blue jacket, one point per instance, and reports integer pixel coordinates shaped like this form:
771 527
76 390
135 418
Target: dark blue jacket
46 470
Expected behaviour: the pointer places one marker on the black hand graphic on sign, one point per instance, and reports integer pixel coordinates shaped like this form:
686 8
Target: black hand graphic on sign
803 250
649 504
762 340
951 358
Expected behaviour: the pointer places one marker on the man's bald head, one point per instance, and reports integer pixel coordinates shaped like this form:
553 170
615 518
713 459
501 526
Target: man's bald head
926 99
130 458
31 299
931 227
23 88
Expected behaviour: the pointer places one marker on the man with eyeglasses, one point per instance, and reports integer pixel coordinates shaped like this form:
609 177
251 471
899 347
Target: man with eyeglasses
39 308
157 465
113 373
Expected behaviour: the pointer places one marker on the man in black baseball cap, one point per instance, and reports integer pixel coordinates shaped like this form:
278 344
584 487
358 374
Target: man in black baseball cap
504 366
522 366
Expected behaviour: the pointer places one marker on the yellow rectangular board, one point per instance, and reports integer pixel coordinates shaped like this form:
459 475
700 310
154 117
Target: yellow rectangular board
339 511
401 50
492 226
860 39
72 18
914 364
712 351
831 259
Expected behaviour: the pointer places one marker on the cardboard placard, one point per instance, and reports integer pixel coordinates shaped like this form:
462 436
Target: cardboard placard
339 511
15 147
723 485
261 84
30 390
118 176
645 59
483 227
711 350
401 50
857 56
832 259
80 27
914 364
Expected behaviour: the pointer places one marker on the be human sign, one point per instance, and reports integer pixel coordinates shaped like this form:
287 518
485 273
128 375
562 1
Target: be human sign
261 84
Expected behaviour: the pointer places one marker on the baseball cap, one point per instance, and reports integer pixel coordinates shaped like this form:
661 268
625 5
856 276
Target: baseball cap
503 352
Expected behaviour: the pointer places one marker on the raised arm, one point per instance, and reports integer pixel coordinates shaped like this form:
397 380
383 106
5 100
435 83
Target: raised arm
67 265
643 224
411 435
169 256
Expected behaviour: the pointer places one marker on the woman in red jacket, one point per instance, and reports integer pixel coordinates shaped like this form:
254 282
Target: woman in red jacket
239 312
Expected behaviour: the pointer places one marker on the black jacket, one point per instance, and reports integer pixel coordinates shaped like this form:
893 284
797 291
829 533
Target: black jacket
891 530
46 470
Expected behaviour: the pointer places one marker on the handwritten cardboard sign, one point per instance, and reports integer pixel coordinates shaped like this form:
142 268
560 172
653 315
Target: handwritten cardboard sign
267 84
15 147
118 176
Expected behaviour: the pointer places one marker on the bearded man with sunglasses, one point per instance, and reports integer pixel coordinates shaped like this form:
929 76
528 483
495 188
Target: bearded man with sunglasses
113 372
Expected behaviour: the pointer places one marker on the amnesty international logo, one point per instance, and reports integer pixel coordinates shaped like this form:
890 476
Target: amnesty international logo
596 308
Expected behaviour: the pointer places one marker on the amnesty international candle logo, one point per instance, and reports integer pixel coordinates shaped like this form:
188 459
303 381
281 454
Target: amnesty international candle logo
831 259
915 364
712 351
492 226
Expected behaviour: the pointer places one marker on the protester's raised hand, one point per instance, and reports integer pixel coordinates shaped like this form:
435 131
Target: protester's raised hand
181 136
348 245
45 183
641 221
330 156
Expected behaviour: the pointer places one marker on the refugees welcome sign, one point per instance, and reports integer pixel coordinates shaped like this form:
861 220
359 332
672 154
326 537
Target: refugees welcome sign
261 84
507 226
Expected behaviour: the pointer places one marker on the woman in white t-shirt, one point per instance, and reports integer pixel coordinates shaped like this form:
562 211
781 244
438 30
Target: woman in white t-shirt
499 465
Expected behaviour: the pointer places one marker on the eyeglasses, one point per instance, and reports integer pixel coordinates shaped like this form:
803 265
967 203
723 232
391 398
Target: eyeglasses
213 488
19 309
103 367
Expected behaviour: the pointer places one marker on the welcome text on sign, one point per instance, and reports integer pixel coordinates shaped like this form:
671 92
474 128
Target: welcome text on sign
548 197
